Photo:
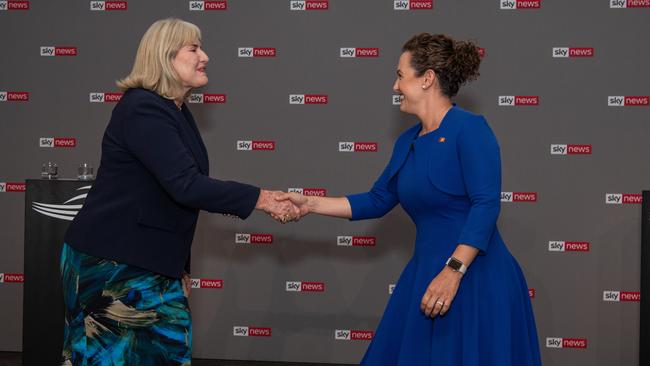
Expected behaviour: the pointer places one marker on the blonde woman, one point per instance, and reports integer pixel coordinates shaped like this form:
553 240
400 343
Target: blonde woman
125 260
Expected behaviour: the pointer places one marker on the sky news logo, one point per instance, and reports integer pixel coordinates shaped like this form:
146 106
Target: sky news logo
412 4
349 146
518 196
628 101
621 296
353 335
203 98
518 100
570 149
207 283
356 241
14 5
621 4
248 145
566 343
308 99
50 51
623 198
520 4
299 286
57 142
396 99
256 52
243 331
12 278
96 97
7 187
6 96
318 192
301 5
242 238
355 52
532 293
568 246
566 52
208 5
108 5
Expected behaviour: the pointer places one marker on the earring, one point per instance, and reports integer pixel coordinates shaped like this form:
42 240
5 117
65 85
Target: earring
424 86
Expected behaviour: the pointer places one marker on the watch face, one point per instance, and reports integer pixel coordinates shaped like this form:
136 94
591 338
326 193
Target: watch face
454 264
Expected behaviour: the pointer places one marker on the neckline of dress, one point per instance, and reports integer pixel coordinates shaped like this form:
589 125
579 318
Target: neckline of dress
442 123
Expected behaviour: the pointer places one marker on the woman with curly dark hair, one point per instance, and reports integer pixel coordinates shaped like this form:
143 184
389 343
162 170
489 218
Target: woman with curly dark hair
462 299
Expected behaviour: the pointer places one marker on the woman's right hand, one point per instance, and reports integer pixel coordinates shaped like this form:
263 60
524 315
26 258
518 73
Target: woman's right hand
281 210
300 201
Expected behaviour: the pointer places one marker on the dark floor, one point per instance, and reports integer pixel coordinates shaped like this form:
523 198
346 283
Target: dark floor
15 359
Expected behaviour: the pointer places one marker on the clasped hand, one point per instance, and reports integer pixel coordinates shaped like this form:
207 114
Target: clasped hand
283 207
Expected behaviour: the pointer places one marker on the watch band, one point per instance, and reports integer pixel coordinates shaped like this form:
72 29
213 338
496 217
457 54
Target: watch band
456 265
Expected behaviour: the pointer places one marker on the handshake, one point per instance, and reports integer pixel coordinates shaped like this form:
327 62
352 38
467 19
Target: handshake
283 207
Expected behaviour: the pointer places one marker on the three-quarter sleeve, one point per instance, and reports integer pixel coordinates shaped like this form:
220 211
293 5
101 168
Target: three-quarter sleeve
480 162
376 202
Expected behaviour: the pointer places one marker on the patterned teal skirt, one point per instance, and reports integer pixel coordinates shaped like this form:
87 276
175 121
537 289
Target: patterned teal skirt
118 314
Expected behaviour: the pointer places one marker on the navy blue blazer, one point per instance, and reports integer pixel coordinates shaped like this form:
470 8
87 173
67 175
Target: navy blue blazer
151 183
467 164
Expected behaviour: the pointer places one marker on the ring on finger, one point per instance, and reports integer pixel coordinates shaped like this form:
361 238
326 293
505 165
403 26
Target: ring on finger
440 303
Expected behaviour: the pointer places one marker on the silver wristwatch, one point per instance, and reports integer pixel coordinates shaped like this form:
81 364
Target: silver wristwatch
456 265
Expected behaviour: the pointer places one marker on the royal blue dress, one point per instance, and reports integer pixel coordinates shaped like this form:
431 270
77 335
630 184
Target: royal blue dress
449 183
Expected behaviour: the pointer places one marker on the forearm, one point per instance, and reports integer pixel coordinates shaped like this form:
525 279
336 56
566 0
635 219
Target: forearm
330 206
265 200
200 191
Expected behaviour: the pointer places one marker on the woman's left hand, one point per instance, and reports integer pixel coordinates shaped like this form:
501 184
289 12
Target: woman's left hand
441 292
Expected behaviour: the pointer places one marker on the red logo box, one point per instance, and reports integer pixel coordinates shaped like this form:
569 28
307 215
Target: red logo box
65 142
65 51
18 96
366 52
17 5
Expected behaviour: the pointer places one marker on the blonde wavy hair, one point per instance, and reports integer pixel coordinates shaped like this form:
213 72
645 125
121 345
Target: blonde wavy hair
153 68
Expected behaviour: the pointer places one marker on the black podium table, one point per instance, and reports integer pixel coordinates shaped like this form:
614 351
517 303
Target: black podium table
50 205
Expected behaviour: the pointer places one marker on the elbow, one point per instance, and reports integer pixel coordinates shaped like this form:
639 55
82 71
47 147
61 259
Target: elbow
489 206
181 191
183 197
374 210
491 214
381 207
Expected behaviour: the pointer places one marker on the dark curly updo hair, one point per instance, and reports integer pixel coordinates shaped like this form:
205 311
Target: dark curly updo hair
454 62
